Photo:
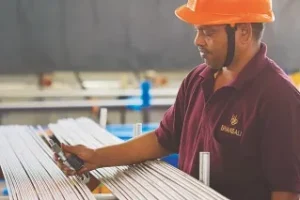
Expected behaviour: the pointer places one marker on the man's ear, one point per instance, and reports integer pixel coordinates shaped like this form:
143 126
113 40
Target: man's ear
244 33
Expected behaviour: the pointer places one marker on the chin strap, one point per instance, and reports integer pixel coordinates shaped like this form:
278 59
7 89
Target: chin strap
231 44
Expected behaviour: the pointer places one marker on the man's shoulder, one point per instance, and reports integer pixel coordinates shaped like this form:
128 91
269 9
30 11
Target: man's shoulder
277 84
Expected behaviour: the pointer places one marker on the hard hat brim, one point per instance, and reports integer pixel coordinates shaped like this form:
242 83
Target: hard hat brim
187 15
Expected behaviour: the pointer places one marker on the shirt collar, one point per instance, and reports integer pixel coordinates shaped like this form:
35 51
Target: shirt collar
249 72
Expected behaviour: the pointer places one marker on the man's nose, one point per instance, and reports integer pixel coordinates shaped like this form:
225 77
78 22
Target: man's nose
199 39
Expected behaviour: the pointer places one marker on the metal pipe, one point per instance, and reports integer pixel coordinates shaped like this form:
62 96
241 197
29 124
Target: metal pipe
63 129
137 129
34 172
103 117
204 167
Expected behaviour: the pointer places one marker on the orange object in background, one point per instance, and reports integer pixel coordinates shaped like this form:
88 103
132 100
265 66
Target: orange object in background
46 79
295 77
161 81
95 109
156 79
101 189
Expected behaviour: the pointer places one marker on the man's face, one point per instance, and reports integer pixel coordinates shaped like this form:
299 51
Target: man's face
212 44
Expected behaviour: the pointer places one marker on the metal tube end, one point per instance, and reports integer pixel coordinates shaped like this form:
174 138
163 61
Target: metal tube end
103 117
137 129
204 167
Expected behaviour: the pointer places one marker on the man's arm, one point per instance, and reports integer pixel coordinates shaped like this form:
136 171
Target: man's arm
284 196
136 150
139 149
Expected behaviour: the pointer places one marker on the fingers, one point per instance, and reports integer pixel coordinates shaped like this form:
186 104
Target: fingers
65 169
55 156
80 151
83 170
68 172
70 149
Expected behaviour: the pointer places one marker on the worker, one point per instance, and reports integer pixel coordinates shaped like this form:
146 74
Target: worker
239 105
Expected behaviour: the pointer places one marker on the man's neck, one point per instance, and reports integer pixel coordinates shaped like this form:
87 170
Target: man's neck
239 63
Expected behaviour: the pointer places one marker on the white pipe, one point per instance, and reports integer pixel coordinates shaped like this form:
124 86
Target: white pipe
97 197
38 177
104 197
103 117
204 167
55 104
34 93
137 129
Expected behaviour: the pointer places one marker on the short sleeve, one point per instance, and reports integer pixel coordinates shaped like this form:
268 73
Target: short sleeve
169 131
281 142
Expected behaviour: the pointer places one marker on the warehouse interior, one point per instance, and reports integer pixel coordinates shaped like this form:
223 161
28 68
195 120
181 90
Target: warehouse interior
64 59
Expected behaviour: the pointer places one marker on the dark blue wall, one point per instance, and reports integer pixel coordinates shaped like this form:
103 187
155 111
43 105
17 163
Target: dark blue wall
46 35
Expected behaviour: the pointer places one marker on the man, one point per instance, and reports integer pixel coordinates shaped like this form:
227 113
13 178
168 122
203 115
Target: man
238 105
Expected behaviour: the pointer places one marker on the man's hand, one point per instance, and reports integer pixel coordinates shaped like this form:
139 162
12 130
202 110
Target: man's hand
86 154
136 150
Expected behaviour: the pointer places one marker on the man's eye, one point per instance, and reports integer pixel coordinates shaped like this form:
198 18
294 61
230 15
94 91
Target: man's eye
208 33
205 33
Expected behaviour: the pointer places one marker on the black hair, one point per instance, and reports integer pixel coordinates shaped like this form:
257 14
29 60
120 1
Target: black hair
257 30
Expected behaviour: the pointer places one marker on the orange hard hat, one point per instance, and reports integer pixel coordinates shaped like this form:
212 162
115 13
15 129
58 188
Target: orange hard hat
213 12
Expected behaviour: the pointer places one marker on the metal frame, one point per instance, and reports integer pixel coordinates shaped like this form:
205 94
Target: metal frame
37 106
29 105
156 92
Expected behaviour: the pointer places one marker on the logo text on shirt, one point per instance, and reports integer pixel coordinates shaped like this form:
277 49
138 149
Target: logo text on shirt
232 130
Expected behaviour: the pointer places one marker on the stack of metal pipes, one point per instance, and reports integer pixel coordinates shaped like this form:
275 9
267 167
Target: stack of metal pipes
28 167
30 171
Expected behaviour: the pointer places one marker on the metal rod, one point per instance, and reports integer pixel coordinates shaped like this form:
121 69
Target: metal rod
127 180
103 117
137 129
30 170
64 127
104 93
204 167
52 104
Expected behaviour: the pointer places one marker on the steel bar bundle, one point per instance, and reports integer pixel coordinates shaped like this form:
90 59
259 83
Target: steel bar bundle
144 181
30 171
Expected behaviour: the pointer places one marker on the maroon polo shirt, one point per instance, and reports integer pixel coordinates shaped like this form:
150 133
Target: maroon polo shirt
251 128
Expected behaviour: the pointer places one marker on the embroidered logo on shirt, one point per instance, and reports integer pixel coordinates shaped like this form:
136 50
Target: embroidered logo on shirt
234 120
232 130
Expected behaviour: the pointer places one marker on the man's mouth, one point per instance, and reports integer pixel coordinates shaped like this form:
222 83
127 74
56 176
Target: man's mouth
202 52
